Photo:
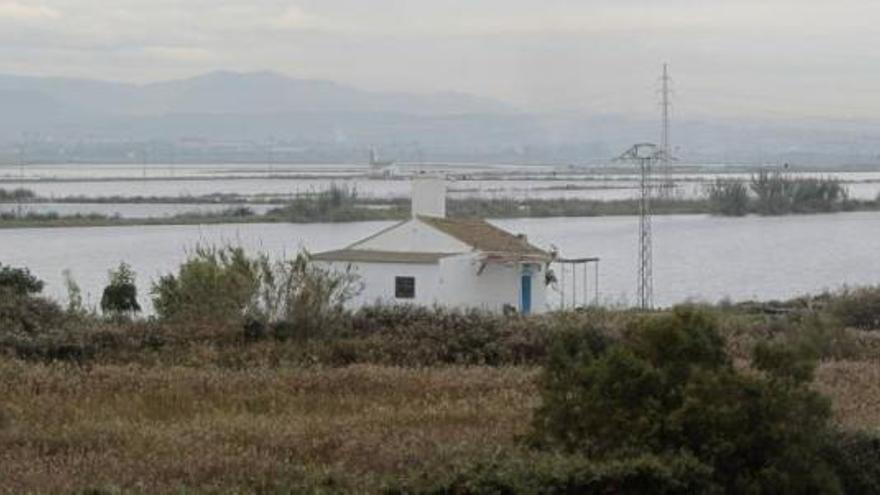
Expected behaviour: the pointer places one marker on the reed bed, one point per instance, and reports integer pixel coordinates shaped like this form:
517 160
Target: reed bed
157 429
140 429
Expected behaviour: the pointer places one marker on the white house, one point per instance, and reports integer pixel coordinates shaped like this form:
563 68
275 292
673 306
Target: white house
433 260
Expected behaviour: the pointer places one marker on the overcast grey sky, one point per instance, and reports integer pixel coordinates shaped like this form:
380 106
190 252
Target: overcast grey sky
776 58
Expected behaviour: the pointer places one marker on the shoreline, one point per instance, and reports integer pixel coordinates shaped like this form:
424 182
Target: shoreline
489 209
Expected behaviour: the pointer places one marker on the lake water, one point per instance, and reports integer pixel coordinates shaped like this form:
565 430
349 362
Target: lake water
696 256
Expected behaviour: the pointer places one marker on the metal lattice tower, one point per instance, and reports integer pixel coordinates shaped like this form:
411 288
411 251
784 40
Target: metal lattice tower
667 187
645 155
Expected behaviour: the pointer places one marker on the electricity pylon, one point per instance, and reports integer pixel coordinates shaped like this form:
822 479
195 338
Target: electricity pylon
667 187
645 155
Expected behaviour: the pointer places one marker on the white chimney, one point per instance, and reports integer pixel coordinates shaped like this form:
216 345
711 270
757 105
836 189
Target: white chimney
429 196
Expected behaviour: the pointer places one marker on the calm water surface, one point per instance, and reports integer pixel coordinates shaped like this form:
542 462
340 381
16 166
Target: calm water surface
696 256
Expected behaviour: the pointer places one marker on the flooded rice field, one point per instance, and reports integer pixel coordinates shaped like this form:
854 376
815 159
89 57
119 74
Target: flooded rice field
129 210
697 257
280 182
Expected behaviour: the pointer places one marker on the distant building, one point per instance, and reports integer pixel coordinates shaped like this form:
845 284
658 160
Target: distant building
381 168
433 260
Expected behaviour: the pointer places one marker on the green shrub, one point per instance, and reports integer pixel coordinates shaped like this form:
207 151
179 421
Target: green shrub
28 315
212 285
858 308
304 300
288 298
18 194
668 386
412 335
554 473
120 294
855 457
19 281
778 194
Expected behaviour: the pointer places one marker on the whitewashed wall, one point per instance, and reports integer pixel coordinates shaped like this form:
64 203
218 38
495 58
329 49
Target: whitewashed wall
453 282
378 280
498 285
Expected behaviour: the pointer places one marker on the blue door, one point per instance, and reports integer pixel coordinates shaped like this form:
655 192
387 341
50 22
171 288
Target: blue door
525 302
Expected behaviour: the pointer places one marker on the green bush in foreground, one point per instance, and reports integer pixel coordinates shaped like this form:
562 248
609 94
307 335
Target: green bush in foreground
216 285
19 281
668 389
855 457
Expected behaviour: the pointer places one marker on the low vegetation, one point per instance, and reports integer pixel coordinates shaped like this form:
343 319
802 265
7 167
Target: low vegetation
765 194
252 377
16 195
777 193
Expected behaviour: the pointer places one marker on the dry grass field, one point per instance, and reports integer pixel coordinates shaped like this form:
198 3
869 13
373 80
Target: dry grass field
854 388
160 429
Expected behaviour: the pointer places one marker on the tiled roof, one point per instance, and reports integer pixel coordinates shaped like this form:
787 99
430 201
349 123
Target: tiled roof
484 236
365 255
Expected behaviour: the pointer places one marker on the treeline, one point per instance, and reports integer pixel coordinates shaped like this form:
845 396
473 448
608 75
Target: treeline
16 195
778 193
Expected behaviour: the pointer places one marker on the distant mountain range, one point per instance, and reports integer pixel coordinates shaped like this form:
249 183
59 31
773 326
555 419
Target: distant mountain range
251 116
224 92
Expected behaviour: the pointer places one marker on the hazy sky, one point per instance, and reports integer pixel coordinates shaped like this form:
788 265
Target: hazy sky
779 58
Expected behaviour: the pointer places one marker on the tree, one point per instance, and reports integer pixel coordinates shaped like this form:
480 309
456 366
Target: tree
120 294
669 388
19 281
214 284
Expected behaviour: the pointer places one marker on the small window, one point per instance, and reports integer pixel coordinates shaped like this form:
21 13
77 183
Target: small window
405 287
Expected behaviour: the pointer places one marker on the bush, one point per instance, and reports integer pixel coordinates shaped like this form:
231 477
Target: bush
28 315
553 473
778 194
217 285
293 298
419 336
120 295
302 299
669 387
19 281
22 312
858 308
18 194
729 197
855 457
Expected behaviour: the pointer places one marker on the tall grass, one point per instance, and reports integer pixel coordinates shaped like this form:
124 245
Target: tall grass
162 429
